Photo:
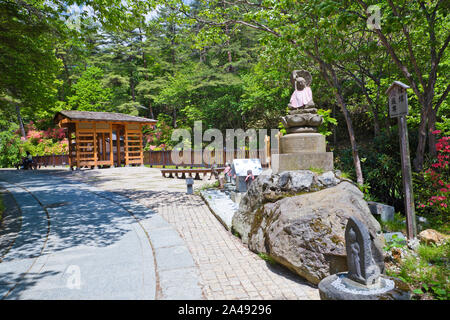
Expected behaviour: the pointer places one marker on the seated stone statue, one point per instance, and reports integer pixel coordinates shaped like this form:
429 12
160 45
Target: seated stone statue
302 115
302 96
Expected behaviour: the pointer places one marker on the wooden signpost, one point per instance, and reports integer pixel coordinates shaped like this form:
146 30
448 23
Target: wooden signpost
398 108
267 149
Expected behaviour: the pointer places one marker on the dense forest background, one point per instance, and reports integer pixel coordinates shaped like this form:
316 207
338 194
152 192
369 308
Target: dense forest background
228 63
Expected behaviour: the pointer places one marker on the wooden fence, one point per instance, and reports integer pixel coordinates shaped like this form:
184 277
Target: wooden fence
202 159
53 160
164 158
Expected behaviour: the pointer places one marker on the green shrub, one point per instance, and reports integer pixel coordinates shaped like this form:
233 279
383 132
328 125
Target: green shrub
380 164
11 152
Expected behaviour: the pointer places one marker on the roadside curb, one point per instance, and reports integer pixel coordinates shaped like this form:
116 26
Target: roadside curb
224 210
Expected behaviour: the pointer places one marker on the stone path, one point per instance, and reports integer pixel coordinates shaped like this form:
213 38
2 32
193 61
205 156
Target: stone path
228 270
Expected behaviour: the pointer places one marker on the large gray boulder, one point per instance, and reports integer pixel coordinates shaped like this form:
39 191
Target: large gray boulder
298 218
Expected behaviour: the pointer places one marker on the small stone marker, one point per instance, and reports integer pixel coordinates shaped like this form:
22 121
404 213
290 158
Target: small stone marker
361 265
385 212
190 183
363 281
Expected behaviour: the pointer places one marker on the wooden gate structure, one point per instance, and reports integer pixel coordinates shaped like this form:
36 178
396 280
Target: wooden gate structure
103 138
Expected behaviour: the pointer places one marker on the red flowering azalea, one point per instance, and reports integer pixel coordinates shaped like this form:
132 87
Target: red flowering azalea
437 182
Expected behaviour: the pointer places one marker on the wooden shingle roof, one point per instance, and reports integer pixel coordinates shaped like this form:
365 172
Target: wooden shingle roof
100 116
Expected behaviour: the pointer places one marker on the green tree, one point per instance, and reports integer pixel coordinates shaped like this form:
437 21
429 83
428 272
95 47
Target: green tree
89 92
28 65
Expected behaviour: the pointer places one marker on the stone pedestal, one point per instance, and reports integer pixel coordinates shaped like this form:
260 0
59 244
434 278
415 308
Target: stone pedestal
302 151
335 287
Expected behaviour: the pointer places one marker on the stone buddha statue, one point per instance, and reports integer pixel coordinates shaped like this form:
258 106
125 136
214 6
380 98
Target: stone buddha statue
302 115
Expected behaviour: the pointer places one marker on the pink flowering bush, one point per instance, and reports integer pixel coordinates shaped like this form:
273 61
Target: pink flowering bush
44 142
434 193
159 137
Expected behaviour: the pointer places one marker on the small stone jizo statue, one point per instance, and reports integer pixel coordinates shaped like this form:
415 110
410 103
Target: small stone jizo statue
361 265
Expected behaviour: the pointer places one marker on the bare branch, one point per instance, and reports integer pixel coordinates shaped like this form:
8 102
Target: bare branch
410 46
403 68
442 98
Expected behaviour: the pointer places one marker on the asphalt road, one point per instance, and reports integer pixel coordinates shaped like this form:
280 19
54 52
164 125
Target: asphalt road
75 242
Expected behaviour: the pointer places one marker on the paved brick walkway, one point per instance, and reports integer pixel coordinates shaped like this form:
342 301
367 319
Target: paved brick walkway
228 269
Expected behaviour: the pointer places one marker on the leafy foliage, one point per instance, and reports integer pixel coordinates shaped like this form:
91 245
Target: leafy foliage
10 151
89 94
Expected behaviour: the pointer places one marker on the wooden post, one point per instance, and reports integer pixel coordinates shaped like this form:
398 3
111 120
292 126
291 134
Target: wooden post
398 108
411 230
69 133
163 159
141 145
103 146
119 153
125 146
267 150
95 146
77 145
279 135
111 147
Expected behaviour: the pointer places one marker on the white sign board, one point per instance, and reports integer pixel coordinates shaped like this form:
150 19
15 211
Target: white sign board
398 102
242 165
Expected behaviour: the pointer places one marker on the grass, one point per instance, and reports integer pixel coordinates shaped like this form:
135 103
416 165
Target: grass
427 272
396 225
316 170
267 258
211 185
345 175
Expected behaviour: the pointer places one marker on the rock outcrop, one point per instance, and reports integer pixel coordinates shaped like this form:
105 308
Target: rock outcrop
298 218
431 236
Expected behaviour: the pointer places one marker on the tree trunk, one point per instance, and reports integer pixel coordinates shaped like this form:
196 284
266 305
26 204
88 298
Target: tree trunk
19 119
133 93
421 144
387 122
174 120
351 133
376 123
432 137
334 127
230 57
334 83
150 109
